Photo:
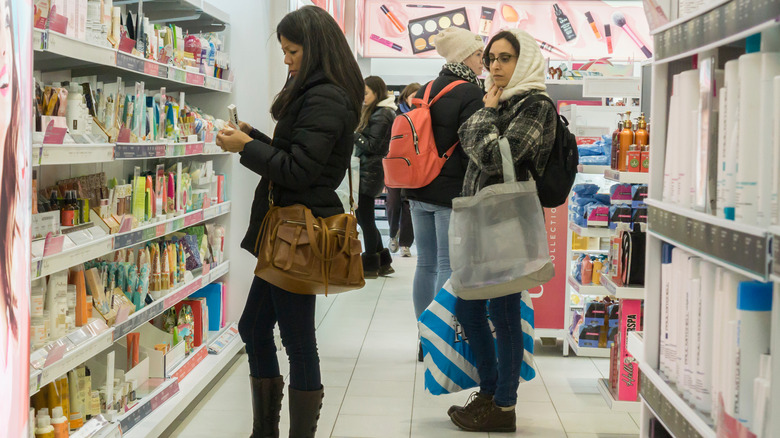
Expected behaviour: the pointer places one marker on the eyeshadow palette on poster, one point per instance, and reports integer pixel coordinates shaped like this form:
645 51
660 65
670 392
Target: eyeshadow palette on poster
584 29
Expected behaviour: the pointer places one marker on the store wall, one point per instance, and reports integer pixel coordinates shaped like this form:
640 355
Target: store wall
257 63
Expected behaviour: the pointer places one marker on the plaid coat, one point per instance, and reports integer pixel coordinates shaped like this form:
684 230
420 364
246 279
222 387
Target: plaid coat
531 134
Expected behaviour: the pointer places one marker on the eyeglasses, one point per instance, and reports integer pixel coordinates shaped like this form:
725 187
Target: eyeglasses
503 59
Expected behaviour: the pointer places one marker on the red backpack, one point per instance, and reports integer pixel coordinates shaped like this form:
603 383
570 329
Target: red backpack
413 160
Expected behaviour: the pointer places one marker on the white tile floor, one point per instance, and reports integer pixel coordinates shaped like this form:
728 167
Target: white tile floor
374 384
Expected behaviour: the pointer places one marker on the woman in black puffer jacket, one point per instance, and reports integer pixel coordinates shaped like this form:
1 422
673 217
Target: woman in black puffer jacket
372 141
316 114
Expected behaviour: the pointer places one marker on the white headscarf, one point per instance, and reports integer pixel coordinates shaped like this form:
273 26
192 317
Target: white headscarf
529 72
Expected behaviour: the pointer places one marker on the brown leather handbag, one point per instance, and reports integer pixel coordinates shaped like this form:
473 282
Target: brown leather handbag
308 255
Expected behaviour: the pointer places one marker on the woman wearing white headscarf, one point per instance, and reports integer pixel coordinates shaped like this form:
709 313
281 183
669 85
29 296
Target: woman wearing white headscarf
516 73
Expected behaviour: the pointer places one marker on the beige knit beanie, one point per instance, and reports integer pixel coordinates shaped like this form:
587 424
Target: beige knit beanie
456 44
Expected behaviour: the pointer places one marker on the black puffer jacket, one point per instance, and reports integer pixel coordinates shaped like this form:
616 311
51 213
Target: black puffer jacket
371 146
447 115
308 156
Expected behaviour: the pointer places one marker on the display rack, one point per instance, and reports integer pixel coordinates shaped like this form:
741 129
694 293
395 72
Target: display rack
585 351
738 248
55 52
616 405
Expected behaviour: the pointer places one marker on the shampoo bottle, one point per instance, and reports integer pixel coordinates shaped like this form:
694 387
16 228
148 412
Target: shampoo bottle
642 136
616 144
59 422
626 140
44 429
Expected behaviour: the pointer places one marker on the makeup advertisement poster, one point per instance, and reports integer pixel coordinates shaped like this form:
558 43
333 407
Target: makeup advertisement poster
334 7
548 299
16 98
584 30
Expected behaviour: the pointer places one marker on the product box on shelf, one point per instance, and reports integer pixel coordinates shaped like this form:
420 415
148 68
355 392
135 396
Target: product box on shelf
590 335
626 386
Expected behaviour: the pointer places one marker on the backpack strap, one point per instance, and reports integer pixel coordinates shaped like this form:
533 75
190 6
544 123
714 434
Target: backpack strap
426 100
530 100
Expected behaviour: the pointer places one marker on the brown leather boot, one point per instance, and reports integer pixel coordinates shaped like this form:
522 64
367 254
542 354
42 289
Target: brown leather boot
385 263
476 401
305 409
486 418
267 397
370 265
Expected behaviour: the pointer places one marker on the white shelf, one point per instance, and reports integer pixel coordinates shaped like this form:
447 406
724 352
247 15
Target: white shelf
591 231
43 266
694 417
612 87
591 289
636 345
589 169
96 344
189 388
590 251
617 405
627 177
623 292
45 155
586 351
563 81
59 52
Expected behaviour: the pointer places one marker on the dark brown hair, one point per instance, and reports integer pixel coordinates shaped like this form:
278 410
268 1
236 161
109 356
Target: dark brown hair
325 49
409 90
377 85
503 35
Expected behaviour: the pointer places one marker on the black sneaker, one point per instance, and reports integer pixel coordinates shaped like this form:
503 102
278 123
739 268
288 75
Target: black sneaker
475 401
486 418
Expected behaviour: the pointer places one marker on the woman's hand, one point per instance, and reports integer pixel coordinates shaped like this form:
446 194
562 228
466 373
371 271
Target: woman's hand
245 127
232 140
492 97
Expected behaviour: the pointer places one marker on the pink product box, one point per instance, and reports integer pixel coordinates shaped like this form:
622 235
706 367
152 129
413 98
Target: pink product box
630 320
599 217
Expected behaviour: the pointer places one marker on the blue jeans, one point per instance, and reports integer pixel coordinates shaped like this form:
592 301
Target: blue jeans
503 378
267 305
431 224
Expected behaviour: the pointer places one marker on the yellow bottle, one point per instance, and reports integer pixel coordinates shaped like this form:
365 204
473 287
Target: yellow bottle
642 136
626 140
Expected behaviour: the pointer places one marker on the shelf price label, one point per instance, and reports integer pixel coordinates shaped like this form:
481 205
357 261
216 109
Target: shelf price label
35 383
190 364
183 293
139 150
130 62
127 239
193 148
177 74
193 219
165 395
741 249
137 319
195 79
136 416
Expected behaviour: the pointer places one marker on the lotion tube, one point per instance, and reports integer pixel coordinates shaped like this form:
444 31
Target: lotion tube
754 320
748 164
770 67
731 138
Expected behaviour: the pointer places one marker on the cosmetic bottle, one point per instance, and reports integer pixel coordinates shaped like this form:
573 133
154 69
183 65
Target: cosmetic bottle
626 140
564 24
644 159
59 423
642 136
616 144
44 429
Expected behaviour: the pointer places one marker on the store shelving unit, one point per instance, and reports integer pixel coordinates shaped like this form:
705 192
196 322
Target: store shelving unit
585 351
742 249
627 177
56 52
615 405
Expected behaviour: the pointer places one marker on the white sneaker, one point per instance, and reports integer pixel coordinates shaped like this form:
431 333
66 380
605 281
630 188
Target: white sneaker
405 251
393 245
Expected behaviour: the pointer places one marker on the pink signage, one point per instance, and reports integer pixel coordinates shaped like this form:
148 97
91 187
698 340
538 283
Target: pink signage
587 29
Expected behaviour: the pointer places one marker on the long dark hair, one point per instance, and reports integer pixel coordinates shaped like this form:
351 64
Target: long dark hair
409 90
324 49
503 35
378 86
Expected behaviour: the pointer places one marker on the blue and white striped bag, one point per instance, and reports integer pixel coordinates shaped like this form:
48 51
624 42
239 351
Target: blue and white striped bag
449 362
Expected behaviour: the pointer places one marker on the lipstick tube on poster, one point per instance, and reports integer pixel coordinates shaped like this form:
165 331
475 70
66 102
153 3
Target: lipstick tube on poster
385 42
393 19
593 26
608 36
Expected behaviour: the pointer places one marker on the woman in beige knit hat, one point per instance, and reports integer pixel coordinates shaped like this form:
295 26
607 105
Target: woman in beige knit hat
431 205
